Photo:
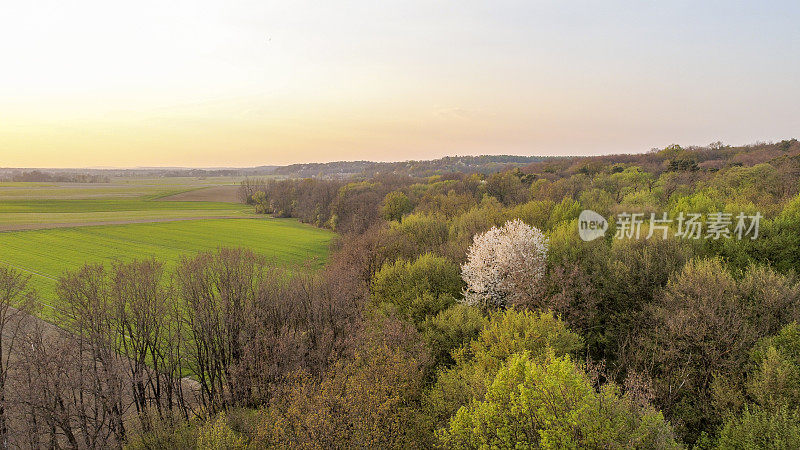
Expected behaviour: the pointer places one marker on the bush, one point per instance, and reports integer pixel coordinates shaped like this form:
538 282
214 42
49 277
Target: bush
217 434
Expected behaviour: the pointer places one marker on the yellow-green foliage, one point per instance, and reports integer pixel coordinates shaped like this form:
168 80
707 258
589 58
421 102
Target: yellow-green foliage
758 428
395 205
477 220
565 211
547 402
508 332
418 288
534 213
425 231
450 329
216 434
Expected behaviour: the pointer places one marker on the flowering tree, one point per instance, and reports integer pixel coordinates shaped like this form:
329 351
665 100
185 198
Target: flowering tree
503 264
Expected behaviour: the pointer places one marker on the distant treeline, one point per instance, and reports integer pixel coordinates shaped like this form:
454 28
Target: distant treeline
711 158
449 164
195 173
352 205
340 170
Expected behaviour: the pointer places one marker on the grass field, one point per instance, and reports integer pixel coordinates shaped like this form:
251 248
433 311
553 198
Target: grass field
107 205
117 188
46 254
49 228
37 205
33 214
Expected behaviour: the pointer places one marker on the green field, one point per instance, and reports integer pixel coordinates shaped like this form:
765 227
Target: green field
117 188
39 205
109 205
46 254
21 214
49 228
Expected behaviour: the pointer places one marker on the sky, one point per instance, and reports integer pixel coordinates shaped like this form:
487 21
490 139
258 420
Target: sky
244 83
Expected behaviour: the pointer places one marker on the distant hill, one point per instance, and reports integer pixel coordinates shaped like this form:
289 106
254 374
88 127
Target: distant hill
448 164
332 170
711 158
714 157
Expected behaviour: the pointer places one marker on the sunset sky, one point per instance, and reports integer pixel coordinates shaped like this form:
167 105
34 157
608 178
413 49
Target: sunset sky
241 83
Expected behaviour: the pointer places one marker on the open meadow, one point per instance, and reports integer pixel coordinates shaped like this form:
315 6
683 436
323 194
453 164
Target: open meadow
53 205
49 228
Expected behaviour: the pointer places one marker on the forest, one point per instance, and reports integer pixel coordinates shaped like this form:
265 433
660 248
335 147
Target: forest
456 310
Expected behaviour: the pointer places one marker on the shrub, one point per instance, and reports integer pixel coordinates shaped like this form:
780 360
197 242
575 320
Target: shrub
217 434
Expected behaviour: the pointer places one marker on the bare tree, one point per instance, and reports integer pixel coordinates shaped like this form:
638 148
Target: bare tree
88 315
147 336
251 324
16 301
220 291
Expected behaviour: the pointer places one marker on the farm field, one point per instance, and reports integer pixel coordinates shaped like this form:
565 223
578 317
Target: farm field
208 194
117 187
46 254
34 214
49 228
26 206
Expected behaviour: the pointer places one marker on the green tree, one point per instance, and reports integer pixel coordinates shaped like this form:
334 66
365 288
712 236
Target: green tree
508 332
758 428
772 418
507 188
418 288
395 205
776 379
370 400
706 322
450 329
779 240
261 203
550 403
425 232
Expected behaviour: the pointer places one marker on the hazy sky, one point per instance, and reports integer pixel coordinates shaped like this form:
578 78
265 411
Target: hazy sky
226 83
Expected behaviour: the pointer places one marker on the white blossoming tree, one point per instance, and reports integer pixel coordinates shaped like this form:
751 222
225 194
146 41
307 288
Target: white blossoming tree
504 263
